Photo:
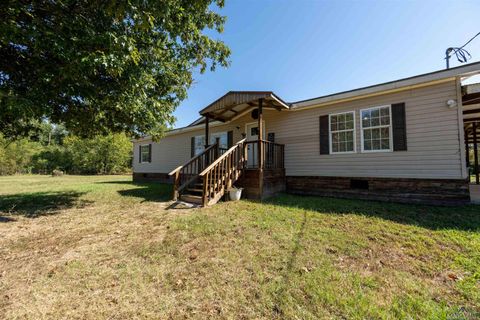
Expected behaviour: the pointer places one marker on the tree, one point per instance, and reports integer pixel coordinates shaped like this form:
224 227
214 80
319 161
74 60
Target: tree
102 66
16 156
99 155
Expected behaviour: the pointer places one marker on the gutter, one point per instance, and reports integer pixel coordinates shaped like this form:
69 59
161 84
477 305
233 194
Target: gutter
180 130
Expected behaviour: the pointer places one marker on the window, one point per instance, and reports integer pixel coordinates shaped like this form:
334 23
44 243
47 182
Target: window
145 153
199 144
376 129
200 141
342 132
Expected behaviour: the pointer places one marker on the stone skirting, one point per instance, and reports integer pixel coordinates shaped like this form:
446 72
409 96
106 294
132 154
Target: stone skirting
433 191
152 177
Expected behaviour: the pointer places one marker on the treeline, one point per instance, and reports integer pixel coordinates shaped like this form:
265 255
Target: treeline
54 149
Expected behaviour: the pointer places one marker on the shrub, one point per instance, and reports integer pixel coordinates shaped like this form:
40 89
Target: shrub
57 173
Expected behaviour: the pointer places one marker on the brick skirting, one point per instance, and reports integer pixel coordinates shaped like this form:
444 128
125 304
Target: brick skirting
430 191
433 191
152 177
273 183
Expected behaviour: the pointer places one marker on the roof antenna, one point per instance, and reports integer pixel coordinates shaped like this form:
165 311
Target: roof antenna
461 54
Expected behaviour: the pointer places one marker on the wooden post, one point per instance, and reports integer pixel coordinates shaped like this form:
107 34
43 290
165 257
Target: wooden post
207 140
260 133
260 146
207 132
206 189
467 149
475 151
176 185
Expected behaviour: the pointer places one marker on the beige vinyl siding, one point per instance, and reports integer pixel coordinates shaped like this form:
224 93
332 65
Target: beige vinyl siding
175 149
167 154
432 139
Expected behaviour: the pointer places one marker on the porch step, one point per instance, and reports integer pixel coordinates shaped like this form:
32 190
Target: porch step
191 198
195 191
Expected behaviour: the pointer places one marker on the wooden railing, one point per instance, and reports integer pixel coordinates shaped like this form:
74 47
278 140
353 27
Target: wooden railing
273 154
220 175
189 172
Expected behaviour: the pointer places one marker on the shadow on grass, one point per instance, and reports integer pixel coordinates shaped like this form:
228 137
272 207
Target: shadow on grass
32 205
149 191
431 217
118 182
287 272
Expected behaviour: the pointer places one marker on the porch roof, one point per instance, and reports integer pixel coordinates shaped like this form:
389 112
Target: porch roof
235 103
471 110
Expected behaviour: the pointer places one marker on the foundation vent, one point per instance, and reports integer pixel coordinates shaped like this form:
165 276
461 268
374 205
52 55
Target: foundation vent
359 184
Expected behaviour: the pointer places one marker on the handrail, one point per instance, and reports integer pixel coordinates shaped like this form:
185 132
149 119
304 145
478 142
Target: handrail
192 160
186 174
223 156
222 173
266 141
266 155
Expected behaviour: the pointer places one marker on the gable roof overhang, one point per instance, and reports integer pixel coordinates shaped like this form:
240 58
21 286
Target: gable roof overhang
236 103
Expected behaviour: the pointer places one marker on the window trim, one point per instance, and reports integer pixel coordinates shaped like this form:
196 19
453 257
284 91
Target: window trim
330 133
390 126
149 152
219 133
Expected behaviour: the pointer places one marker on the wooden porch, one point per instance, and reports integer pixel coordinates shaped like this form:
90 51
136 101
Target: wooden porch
471 126
257 165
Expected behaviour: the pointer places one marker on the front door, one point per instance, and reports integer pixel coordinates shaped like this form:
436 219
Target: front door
252 148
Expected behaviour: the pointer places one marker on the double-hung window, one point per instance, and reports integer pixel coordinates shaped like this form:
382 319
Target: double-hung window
376 129
342 132
145 153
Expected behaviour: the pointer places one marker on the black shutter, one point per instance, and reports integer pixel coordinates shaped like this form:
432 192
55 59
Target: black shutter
230 139
140 153
150 152
271 136
324 139
399 127
192 147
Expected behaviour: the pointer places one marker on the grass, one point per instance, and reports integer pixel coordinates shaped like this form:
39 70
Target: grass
104 247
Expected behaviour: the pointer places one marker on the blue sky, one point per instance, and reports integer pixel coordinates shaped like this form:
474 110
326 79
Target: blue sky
304 49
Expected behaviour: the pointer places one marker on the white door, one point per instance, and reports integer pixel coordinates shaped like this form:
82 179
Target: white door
252 148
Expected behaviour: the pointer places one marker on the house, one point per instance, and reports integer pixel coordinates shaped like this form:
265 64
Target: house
404 140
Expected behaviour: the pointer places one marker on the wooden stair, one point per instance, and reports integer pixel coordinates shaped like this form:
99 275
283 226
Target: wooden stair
193 193
204 179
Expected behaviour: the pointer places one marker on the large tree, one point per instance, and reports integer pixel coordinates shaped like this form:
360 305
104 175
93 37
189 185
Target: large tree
103 66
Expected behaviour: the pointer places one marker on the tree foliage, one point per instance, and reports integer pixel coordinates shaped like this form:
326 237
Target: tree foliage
110 154
101 154
102 66
17 157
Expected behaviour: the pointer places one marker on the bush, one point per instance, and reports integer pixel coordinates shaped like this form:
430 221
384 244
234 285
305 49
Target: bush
16 156
102 154
109 154
57 173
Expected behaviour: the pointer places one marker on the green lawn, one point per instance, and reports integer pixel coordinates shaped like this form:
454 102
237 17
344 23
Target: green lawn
102 247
